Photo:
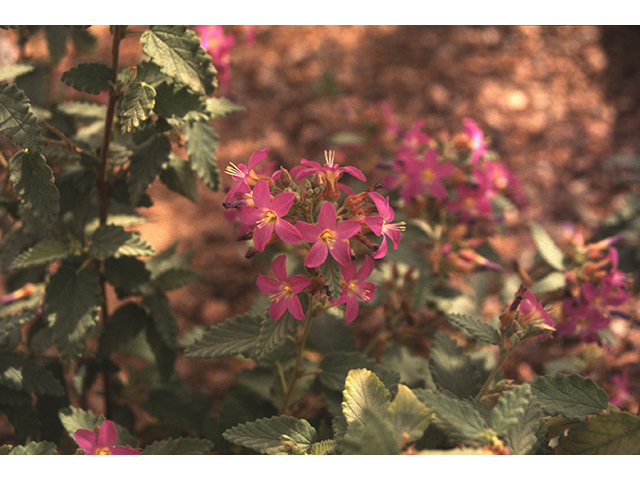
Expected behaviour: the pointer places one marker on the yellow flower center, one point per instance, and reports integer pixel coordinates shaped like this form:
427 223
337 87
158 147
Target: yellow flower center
268 216
103 451
327 238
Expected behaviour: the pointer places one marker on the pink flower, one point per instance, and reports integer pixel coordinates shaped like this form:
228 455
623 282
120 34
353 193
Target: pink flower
471 202
621 395
355 287
328 174
476 137
283 291
425 175
267 216
328 236
102 443
246 176
533 310
381 224
218 45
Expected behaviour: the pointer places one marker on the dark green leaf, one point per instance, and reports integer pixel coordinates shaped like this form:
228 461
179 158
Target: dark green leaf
201 144
179 446
331 274
124 324
522 437
452 369
336 366
138 101
363 390
147 162
476 328
547 248
266 435
114 241
235 336
374 435
20 373
17 122
615 433
72 298
42 253
91 78
180 177
163 318
571 396
174 278
14 320
33 181
177 51
177 101
128 275
274 334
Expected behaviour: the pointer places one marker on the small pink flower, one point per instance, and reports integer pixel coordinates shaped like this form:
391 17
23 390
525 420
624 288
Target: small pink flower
355 287
283 291
476 137
381 224
425 176
267 216
621 395
218 45
246 176
533 310
102 443
328 174
471 202
328 236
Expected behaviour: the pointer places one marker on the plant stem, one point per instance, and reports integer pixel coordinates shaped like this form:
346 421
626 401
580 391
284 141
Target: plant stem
296 367
103 189
504 353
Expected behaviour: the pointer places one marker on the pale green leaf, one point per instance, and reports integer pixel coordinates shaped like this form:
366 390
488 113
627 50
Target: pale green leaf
35 448
33 180
83 110
571 396
476 328
42 253
550 283
201 144
73 418
17 121
324 447
138 101
371 435
547 248
9 72
220 107
177 51
235 336
510 409
179 446
615 433
408 415
91 78
522 437
364 390
266 435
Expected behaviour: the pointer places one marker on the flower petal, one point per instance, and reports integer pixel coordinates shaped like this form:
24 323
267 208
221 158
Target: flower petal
261 236
268 285
279 267
347 229
122 450
294 306
261 196
108 434
308 232
317 255
287 232
256 157
87 440
327 216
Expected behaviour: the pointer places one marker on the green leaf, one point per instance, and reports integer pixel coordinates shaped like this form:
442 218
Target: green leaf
72 300
92 78
476 328
17 121
372 435
177 51
163 318
123 325
522 437
220 107
179 446
128 275
33 181
460 415
83 110
510 409
413 369
452 368
235 336
174 278
547 248
336 366
9 72
266 435
35 448
408 415
147 163
19 373
550 283
177 101
201 144
14 320
73 418
42 253
332 273
138 101
571 396
114 241
615 433
363 390
324 447
180 177
273 335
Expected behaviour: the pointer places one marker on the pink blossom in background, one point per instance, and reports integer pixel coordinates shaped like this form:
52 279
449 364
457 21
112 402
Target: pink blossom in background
425 177
218 45
476 137
356 287
283 290
381 224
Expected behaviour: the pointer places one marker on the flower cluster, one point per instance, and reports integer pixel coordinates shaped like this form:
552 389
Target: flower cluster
302 208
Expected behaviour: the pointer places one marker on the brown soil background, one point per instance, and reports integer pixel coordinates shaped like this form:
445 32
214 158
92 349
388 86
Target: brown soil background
556 101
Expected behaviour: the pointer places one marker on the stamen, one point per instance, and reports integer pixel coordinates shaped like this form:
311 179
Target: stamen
233 170
329 157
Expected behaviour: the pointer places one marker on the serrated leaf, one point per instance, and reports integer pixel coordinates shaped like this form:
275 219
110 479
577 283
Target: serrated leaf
72 300
177 51
17 121
138 101
547 248
163 318
265 435
33 180
408 415
364 390
177 101
461 415
129 275
19 373
549 283
114 241
522 438
336 366
124 324
73 418
452 368
14 320
42 253
510 409
324 447
35 448
180 177
615 433
235 336
90 78
476 328
274 334
174 278
220 107
331 274
179 446
571 396
201 144
373 435
147 163
413 369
